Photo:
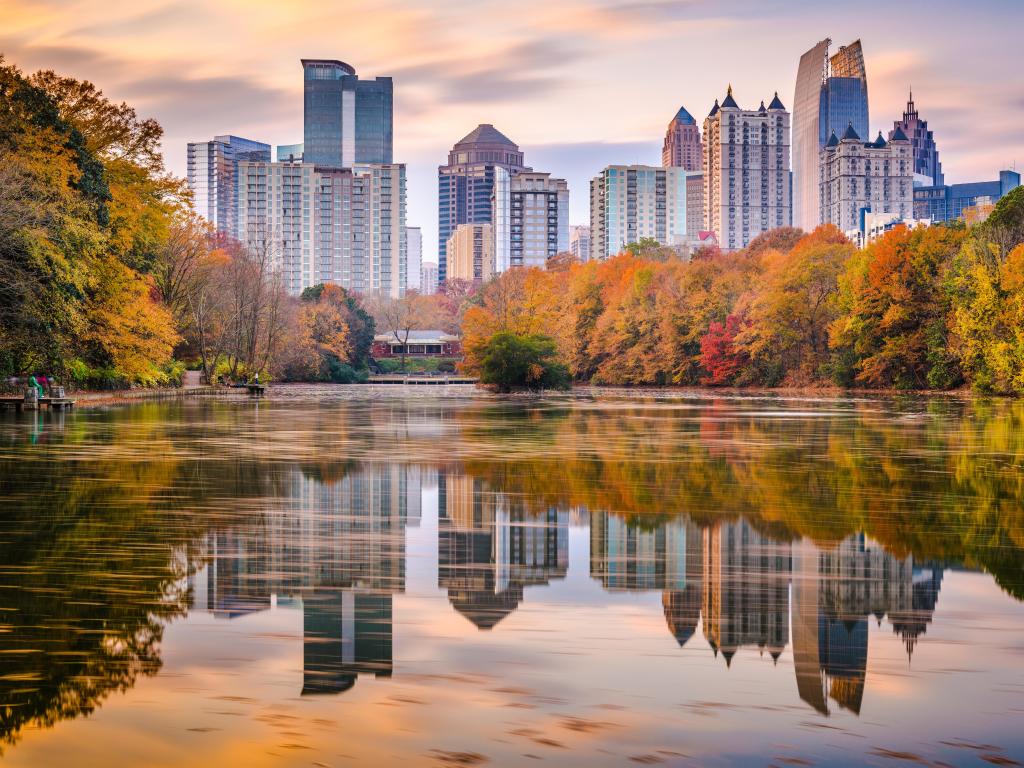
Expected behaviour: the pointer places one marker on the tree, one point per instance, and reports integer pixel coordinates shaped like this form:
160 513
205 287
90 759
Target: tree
511 361
720 356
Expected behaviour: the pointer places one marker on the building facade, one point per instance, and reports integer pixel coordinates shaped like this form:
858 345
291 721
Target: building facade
922 144
345 120
579 242
747 179
428 278
471 253
948 202
530 218
682 147
632 202
831 93
413 258
213 177
466 183
858 177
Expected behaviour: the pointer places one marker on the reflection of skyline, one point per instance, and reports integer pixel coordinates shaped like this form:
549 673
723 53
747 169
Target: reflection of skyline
338 549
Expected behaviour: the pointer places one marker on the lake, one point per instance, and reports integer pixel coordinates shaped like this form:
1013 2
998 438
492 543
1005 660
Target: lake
408 576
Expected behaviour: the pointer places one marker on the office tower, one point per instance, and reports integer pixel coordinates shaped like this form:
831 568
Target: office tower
682 147
413 258
632 202
289 153
326 225
471 253
530 218
212 177
949 202
428 278
466 183
859 177
831 93
747 181
922 143
345 120
579 242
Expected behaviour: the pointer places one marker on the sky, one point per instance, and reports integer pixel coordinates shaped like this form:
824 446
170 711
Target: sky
578 84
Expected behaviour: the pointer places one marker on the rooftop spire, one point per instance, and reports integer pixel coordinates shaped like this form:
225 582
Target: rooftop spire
730 102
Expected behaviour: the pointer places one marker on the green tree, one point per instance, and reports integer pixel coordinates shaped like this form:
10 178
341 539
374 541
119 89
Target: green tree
511 361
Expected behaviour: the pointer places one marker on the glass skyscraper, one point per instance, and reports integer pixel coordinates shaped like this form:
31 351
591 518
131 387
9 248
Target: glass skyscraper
213 177
346 120
831 94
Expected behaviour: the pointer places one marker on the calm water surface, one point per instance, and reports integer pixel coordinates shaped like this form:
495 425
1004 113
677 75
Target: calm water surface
346 576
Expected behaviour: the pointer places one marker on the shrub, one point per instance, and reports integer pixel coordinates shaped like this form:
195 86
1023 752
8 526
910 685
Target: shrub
510 361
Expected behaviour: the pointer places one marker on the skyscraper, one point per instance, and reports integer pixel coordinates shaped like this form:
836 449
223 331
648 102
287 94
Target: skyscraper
213 177
922 142
466 183
747 181
530 217
579 242
471 253
414 258
345 120
428 278
682 147
831 93
632 202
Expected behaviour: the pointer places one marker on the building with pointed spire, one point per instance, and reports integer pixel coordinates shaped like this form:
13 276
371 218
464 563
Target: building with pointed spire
922 144
831 93
682 147
747 179
466 183
857 177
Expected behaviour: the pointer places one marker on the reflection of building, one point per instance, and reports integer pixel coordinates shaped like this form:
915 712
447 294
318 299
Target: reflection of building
626 556
489 550
834 593
340 549
746 590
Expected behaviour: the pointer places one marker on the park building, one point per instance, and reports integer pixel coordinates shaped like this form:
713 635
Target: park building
530 218
747 179
471 253
631 202
858 176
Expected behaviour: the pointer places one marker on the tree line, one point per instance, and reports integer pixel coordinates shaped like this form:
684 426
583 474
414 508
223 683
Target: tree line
930 308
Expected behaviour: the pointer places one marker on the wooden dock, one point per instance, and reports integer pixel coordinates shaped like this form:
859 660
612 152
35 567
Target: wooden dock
419 380
20 404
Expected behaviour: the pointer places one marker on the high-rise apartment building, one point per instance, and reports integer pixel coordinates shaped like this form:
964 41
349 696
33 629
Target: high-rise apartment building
682 146
922 144
345 120
471 253
859 177
632 202
413 258
428 278
530 218
466 183
747 179
326 225
212 176
831 93
579 242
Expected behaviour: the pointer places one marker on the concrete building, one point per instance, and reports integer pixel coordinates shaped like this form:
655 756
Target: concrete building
747 179
326 225
632 202
345 120
428 278
579 242
948 202
874 225
413 258
466 183
213 177
831 93
922 144
530 218
858 177
682 147
471 253
694 206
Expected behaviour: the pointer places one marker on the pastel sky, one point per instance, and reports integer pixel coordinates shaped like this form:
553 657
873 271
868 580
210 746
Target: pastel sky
577 83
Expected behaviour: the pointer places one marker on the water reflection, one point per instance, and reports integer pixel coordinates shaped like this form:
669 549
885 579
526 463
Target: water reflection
789 544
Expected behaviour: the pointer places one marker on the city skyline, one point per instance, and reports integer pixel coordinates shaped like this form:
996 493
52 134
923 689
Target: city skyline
554 61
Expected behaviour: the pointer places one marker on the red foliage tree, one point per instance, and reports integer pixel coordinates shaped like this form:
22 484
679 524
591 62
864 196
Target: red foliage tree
718 353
